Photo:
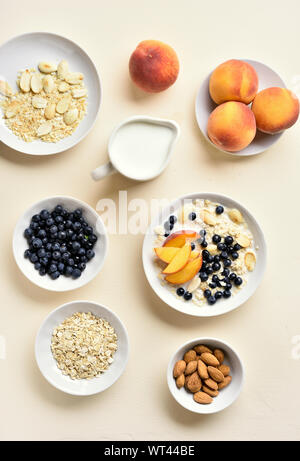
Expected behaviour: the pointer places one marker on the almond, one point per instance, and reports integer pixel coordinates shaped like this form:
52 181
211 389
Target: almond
209 359
211 383
62 69
63 87
47 67
48 84
63 105
25 81
12 109
79 93
202 370
209 219
203 398
180 381
38 102
243 240
200 348
209 391
236 216
36 83
44 129
5 89
191 367
219 354
224 383
193 383
50 111
250 261
194 284
71 116
215 374
189 356
225 369
179 368
74 78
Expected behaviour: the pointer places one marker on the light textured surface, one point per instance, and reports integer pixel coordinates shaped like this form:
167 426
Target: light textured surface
140 406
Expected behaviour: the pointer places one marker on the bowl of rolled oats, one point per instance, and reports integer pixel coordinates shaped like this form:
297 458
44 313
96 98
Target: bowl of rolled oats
204 254
50 93
82 348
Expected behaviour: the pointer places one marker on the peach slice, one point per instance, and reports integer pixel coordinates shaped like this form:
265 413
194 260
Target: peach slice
194 254
187 273
166 254
179 238
179 261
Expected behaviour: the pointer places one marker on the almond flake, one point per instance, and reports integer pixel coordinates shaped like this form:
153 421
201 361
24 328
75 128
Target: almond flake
63 87
44 129
47 67
12 109
74 78
38 102
235 216
63 105
79 93
5 89
36 83
48 84
208 218
71 116
243 240
194 284
62 69
250 261
50 111
25 81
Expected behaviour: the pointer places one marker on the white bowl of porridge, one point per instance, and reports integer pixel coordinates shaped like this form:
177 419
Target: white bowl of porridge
204 255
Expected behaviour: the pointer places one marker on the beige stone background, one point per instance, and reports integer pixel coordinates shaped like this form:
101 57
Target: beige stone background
139 405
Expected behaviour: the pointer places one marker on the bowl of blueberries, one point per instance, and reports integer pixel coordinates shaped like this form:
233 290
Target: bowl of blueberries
60 243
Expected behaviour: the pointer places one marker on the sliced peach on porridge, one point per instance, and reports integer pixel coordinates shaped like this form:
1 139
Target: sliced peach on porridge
179 261
166 254
187 273
179 238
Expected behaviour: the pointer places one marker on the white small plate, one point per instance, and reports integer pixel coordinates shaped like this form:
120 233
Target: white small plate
48 366
26 51
223 305
226 396
205 105
63 283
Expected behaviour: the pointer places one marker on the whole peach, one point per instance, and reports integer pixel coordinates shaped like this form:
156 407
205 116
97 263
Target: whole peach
275 109
234 80
231 126
153 66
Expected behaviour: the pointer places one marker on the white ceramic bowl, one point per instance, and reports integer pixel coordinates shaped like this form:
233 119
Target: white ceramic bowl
26 51
226 396
63 283
223 305
48 366
205 105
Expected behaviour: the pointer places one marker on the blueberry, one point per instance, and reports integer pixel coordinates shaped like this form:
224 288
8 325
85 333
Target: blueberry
228 240
69 233
187 295
68 271
232 276
58 209
172 219
65 256
76 273
36 218
180 291
37 266
62 235
210 259
78 213
215 278
42 253
228 286
59 219
90 254
202 232
209 270
224 255
37 243
207 293
27 254
49 246
83 259
44 261
81 252
81 266
234 255
42 271
217 258
226 272
212 285
237 247
93 238
52 268
238 281
88 230
28 233
216 238
53 229
226 293
76 246
192 216
56 255
216 267
227 262
221 247
76 226
211 300
204 244
68 224
42 233
193 246
61 267
50 222
218 294
203 276
54 275
34 226
71 262
44 214
219 209
166 234
205 255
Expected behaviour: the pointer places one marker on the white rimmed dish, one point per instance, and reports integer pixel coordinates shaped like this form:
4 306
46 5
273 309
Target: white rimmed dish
26 51
112 166
227 395
48 365
63 283
204 106
224 305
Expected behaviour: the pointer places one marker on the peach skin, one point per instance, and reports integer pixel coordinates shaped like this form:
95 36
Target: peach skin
275 109
178 239
187 273
153 66
231 126
234 80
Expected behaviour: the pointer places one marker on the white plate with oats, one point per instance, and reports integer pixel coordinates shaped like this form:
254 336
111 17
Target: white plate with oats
204 254
99 343
50 93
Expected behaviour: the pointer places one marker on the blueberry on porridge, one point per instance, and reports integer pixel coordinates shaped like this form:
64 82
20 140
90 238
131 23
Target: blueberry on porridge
206 253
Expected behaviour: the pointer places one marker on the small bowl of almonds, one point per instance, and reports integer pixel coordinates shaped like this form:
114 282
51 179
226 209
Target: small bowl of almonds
205 375
82 348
